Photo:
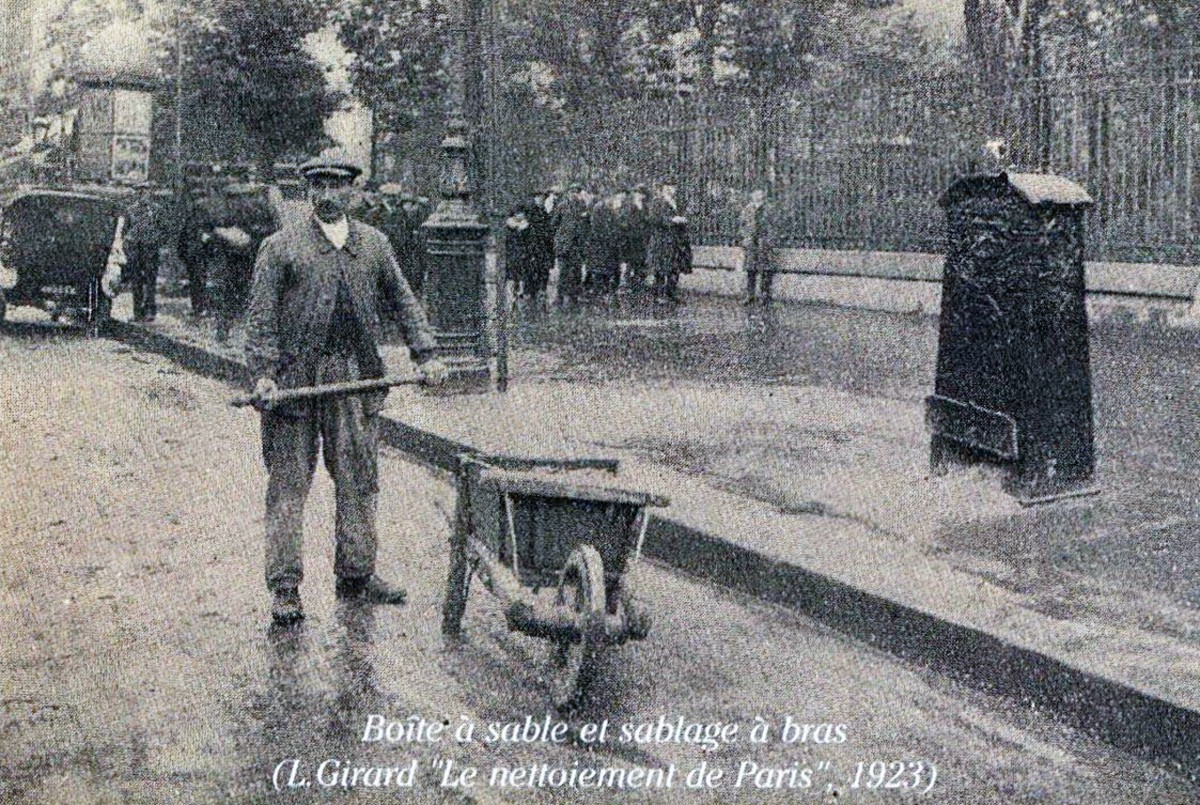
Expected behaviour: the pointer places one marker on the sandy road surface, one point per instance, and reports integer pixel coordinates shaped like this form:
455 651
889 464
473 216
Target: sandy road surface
137 665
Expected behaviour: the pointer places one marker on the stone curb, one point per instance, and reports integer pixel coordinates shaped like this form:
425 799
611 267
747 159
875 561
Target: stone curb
1116 711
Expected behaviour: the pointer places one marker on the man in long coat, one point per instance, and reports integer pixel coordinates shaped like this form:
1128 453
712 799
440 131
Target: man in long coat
669 253
541 245
518 248
570 244
636 230
400 218
149 229
320 285
604 246
205 203
756 248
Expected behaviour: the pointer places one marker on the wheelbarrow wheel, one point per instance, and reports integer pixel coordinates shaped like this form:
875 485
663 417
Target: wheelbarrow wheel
581 588
458 587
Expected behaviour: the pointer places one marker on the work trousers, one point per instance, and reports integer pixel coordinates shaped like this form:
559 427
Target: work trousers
636 271
346 434
536 275
143 264
570 277
666 285
758 284
197 281
230 276
603 276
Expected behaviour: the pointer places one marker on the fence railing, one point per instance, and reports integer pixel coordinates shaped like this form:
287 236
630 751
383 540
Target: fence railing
861 165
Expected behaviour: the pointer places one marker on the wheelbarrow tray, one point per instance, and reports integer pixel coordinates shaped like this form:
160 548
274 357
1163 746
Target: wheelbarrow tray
533 519
572 484
525 525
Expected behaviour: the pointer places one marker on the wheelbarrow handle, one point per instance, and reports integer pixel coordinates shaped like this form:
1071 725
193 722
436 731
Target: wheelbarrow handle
342 389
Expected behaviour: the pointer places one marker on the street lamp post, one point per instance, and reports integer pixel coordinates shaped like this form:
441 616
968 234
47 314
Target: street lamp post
179 172
456 287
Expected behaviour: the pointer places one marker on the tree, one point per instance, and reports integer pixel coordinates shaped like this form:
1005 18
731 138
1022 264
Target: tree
248 60
585 46
245 63
399 49
1004 38
668 19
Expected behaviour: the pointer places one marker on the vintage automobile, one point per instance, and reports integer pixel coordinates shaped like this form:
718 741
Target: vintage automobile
61 251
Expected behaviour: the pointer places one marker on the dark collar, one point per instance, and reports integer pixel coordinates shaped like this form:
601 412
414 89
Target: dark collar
325 247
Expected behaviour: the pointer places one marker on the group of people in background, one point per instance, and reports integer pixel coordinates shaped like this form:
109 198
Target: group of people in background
224 220
223 223
634 240
628 239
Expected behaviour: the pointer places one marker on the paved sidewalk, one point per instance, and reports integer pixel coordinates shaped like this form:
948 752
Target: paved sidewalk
805 481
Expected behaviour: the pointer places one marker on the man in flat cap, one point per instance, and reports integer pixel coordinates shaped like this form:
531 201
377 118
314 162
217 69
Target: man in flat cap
570 243
637 235
320 284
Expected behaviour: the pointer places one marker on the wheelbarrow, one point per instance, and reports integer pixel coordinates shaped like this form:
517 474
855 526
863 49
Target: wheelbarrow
523 525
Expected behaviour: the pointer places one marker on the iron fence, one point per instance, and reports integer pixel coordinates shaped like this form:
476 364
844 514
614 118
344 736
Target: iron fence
862 164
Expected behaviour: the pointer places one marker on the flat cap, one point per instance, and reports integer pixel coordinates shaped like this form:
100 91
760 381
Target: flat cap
332 162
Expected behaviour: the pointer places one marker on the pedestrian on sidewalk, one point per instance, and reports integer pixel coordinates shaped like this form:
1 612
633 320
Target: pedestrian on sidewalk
147 232
570 244
604 246
518 250
204 204
541 245
669 253
636 230
319 287
757 248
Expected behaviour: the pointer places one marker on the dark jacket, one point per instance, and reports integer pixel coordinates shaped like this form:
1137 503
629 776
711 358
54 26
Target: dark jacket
518 238
296 280
541 237
670 247
574 224
403 231
247 208
148 228
604 239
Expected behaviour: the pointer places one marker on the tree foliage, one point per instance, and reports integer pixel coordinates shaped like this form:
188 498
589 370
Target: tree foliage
1004 36
1010 39
566 55
399 49
248 59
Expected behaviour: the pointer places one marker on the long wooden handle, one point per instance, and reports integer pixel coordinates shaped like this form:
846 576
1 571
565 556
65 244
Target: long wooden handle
326 390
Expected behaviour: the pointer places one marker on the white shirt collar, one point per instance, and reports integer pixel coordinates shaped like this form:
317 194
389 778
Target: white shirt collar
338 232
